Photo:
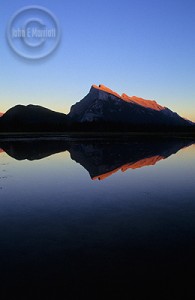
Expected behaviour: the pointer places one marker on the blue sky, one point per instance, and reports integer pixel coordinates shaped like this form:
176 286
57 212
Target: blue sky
139 47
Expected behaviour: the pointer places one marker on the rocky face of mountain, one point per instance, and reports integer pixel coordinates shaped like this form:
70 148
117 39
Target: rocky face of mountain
32 118
105 105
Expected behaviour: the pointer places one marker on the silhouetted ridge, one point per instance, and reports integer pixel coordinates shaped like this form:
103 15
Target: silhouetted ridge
33 118
100 111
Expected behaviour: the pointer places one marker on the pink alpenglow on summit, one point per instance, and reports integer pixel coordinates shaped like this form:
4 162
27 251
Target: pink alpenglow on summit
1 114
103 88
131 99
146 103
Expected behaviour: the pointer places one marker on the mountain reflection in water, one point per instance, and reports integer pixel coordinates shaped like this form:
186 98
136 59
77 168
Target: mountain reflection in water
101 158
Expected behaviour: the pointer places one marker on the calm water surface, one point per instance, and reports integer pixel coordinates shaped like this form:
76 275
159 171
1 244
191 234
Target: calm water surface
113 212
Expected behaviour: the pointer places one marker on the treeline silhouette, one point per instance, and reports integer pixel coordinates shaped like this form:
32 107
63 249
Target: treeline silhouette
97 126
103 126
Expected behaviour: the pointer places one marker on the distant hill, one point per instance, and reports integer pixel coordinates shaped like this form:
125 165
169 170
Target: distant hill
32 118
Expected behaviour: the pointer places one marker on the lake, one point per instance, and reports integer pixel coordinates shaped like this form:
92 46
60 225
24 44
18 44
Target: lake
114 212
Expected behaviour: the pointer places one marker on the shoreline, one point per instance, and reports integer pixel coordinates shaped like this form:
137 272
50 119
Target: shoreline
94 135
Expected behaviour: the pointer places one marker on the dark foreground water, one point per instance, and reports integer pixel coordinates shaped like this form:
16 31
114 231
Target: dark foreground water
79 214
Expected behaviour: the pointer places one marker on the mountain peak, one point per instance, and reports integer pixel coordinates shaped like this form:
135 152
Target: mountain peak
143 102
103 88
102 104
152 104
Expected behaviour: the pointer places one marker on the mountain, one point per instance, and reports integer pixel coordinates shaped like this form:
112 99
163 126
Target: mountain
102 110
32 118
1 114
102 105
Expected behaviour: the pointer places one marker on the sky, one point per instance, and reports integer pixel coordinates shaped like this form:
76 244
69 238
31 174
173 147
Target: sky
137 47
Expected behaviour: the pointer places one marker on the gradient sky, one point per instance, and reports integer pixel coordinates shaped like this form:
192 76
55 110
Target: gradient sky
139 47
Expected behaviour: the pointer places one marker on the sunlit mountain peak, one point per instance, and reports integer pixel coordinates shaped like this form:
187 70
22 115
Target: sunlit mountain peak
143 102
132 99
103 88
